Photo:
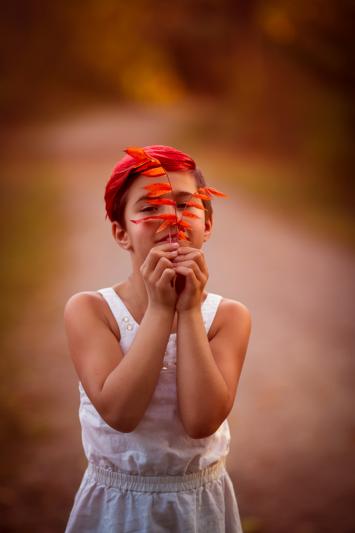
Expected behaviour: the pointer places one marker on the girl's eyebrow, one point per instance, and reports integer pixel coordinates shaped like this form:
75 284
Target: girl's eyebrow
175 193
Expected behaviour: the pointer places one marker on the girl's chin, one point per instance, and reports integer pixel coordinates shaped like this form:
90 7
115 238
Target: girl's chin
171 238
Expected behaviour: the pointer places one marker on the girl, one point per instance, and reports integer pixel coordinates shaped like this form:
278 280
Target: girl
158 359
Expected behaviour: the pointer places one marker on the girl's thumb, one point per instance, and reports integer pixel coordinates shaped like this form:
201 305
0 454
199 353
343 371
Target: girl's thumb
168 273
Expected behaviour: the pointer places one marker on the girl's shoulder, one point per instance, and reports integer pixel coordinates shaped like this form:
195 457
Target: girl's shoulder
98 305
228 304
229 311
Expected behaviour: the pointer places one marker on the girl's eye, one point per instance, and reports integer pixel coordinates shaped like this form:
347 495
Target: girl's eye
183 206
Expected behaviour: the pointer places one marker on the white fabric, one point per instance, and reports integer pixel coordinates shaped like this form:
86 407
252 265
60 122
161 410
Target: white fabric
159 446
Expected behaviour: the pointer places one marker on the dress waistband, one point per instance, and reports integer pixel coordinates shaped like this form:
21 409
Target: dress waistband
122 480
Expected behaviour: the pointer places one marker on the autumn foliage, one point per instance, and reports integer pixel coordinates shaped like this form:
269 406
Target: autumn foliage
152 167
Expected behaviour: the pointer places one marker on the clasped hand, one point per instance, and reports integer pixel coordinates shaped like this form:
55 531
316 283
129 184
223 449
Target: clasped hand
174 276
192 275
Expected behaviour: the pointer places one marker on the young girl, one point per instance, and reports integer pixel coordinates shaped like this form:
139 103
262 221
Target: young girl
158 359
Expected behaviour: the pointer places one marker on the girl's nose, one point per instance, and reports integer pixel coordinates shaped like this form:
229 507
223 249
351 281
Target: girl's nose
169 209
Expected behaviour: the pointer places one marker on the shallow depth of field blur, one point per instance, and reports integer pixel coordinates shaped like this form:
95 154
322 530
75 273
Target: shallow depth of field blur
260 94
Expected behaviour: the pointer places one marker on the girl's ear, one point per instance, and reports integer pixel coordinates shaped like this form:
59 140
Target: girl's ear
208 229
121 236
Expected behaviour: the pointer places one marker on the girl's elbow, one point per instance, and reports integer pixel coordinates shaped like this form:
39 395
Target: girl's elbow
200 434
202 431
121 424
122 427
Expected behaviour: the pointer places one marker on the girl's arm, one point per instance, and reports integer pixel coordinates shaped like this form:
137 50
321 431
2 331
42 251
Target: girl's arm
208 372
120 386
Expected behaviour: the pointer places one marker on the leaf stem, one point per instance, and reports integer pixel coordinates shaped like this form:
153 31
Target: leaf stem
177 227
176 215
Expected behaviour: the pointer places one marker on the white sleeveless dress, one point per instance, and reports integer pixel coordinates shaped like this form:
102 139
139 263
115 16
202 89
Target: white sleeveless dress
156 478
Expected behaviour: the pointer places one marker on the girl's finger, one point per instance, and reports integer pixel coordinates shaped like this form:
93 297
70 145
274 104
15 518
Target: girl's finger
186 249
191 265
155 254
189 274
166 277
196 256
162 264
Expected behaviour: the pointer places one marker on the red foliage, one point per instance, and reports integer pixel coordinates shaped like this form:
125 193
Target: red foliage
156 190
153 161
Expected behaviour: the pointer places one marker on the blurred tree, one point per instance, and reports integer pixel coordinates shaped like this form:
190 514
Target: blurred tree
279 71
317 37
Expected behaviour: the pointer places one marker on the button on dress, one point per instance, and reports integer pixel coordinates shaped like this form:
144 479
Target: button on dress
156 478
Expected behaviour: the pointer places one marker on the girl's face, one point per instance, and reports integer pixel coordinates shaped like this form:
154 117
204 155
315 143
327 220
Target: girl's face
140 238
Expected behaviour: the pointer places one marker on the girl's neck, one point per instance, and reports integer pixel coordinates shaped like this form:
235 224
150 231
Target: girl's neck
134 292
135 297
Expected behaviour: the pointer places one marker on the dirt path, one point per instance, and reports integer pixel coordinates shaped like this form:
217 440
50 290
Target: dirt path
293 427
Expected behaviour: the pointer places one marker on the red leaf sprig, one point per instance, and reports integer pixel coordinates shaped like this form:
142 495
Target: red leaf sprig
151 167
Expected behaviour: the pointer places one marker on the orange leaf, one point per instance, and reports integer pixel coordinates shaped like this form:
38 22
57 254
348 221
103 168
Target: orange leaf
151 217
184 224
160 201
189 214
157 192
163 216
166 224
136 152
168 216
202 196
154 172
140 154
212 190
154 186
195 204
182 236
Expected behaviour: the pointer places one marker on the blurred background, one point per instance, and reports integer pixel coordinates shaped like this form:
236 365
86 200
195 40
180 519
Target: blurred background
260 94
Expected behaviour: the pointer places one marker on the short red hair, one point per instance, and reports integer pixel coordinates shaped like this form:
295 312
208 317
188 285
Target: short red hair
128 168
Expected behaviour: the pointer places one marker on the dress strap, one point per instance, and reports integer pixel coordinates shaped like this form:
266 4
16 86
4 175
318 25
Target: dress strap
124 319
210 309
